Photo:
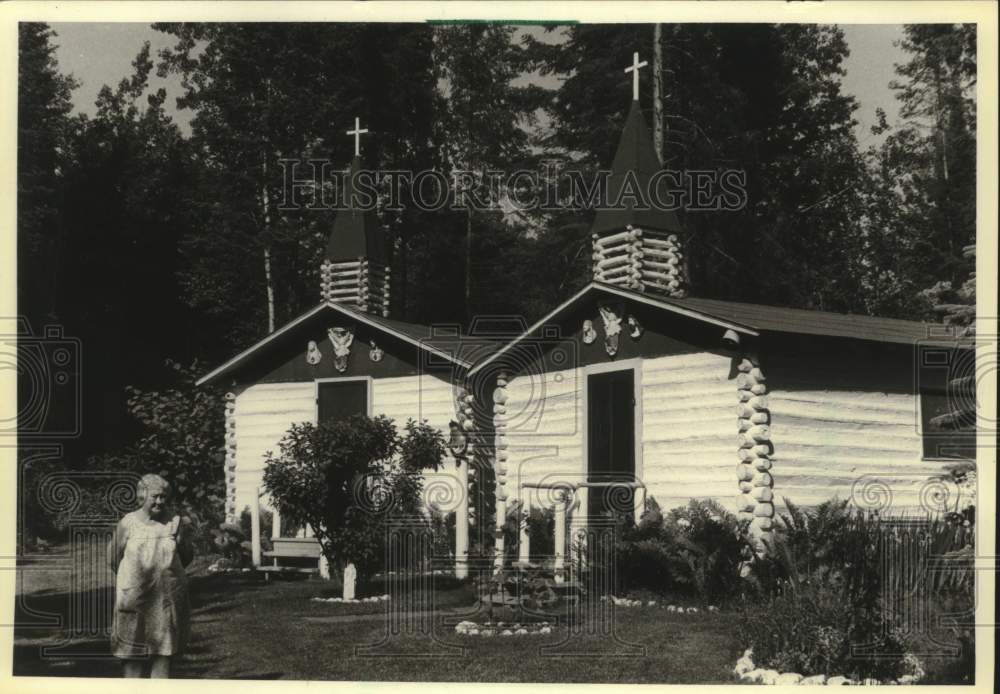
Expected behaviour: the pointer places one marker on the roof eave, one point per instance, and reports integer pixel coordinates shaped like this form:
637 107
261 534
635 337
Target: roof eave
241 358
618 291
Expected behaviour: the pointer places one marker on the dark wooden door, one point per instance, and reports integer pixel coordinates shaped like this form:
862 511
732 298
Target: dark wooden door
610 458
610 435
338 400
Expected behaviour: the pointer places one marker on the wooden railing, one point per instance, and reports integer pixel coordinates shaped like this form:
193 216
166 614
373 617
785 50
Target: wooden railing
566 491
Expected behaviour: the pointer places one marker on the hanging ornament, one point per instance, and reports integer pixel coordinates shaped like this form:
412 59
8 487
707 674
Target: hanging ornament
375 353
635 329
313 355
341 339
589 334
612 328
458 443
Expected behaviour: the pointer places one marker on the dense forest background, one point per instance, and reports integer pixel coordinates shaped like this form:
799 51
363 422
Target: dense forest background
156 248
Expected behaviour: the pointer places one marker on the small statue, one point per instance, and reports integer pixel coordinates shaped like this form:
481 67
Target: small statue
589 334
612 328
375 353
350 580
341 339
635 329
313 355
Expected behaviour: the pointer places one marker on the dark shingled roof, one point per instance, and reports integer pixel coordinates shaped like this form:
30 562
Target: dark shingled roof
356 233
635 155
808 322
753 319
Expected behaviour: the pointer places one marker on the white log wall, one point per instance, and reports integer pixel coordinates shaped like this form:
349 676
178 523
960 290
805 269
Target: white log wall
825 441
265 411
418 398
687 432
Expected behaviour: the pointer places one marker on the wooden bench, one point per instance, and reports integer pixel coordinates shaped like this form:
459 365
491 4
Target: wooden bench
298 552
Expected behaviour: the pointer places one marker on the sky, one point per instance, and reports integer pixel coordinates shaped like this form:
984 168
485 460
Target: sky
102 53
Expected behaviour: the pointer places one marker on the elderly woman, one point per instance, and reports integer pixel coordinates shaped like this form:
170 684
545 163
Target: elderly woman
148 553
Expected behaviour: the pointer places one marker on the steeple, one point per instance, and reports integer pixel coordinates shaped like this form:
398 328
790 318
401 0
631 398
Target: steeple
636 246
355 268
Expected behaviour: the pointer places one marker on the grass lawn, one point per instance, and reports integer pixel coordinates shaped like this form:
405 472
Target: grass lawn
247 629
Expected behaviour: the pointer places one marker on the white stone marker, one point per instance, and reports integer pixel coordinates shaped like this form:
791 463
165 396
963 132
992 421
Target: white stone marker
350 578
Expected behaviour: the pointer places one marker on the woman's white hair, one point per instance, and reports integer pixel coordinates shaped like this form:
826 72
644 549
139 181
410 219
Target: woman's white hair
148 482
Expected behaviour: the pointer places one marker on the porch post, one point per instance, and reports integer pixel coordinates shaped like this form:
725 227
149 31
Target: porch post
462 521
275 522
465 418
524 543
255 527
500 451
230 464
560 559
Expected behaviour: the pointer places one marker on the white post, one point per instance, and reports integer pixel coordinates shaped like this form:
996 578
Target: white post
255 527
560 562
462 521
524 545
578 524
275 523
500 442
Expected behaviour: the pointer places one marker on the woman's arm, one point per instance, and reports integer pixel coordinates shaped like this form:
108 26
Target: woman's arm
116 545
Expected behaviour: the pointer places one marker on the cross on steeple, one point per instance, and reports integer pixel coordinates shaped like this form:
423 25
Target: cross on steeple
358 132
634 69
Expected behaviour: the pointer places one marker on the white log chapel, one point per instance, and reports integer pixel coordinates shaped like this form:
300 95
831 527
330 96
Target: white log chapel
630 384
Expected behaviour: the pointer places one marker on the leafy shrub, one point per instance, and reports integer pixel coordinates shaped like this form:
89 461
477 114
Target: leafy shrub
541 526
442 526
811 630
246 526
183 439
232 544
695 550
346 479
825 585
713 544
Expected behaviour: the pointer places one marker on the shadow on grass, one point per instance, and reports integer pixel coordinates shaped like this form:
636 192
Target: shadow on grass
52 639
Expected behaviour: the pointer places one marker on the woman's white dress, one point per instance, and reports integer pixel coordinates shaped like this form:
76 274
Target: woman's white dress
152 612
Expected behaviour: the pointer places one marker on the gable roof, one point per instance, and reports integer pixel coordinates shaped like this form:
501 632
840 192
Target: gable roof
748 319
613 290
635 155
421 336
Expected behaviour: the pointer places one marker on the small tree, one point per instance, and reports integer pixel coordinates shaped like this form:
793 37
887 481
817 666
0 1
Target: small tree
346 479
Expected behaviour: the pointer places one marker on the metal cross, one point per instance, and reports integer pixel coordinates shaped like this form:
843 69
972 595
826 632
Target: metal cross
358 132
635 74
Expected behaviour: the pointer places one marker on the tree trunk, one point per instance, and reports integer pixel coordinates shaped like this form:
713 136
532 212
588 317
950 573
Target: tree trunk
658 91
265 199
468 265
269 280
